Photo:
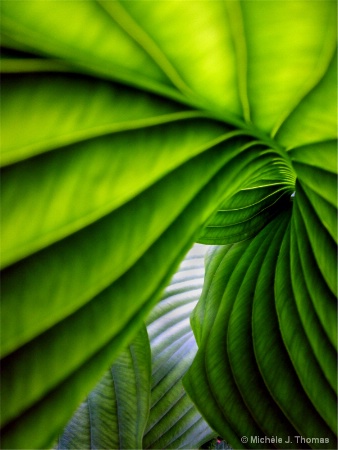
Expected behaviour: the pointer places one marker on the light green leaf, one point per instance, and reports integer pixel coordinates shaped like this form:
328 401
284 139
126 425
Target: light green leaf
107 182
115 413
80 278
42 28
289 48
55 202
79 109
315 118
206 30
71 282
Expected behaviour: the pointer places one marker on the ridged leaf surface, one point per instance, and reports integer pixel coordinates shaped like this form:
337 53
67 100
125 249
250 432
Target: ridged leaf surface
131 130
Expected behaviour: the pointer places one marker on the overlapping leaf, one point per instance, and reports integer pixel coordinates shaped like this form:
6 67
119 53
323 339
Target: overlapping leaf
174 421
90 279
105 187
114 415
280 382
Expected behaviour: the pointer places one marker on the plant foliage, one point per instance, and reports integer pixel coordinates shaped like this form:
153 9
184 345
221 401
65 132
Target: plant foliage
131 130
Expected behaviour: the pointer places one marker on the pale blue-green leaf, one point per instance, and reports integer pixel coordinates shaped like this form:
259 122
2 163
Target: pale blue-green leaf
174 421
114 414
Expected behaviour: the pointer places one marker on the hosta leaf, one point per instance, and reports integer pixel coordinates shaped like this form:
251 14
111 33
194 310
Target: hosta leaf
229 225
325 210
64 399
265 359
196 382
114 414
71 282
315 118
83 286
274 363
315 314
199 325
206 30
322 244
298 342
241 351
211 359
82 110
15 61
289 49
59 174
41 28
105 187
174 421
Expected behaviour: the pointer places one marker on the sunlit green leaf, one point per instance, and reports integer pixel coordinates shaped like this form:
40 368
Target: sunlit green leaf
131 130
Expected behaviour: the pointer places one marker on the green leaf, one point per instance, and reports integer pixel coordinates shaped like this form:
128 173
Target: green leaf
315 118
174 421
234 224
42 29
114 414
284 59
211 371
82 110
323 246
206 30
298 342
89 281
274 363
255 379
46 182
315 313
125 132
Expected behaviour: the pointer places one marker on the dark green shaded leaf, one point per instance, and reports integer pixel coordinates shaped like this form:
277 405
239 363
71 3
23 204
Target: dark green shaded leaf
273 361
241 352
